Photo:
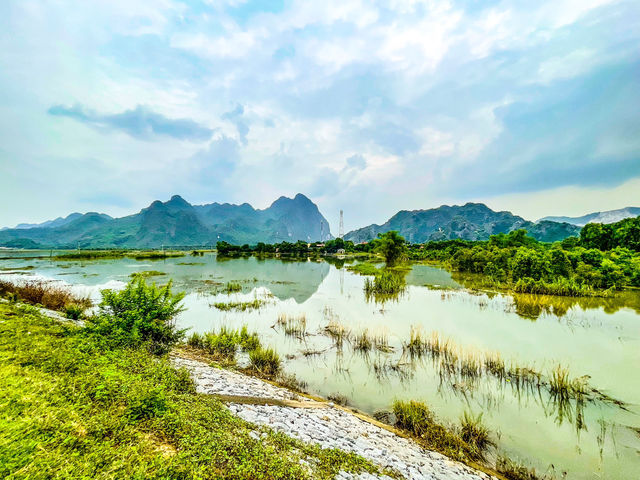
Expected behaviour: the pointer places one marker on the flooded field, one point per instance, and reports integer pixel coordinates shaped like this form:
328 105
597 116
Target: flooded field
439 342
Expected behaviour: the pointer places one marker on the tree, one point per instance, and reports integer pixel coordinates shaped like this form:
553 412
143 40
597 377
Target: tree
392 246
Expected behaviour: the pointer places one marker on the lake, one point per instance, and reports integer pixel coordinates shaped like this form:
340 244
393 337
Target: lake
598 338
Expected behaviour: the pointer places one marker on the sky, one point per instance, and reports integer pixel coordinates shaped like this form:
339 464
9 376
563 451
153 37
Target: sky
370 107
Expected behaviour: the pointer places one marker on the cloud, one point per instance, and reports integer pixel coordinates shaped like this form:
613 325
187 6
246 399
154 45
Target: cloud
235 117
368 106
141 123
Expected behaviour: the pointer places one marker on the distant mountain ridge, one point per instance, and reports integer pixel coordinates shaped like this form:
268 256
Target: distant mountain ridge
609 216
177 222
472 221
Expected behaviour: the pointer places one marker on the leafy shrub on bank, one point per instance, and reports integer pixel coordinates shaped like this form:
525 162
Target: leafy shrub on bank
139 314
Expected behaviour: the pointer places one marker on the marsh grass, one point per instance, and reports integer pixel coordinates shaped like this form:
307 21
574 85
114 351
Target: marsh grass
147 273
254 304
417 419
516 471
385 285
225 342
232 287
293 326
456 363
475 433
338 333
265 361
380 341
47 294
362 341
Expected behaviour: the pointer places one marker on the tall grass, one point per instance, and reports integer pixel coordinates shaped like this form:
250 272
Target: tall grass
385 284
225 342
417 419
265 360
47 294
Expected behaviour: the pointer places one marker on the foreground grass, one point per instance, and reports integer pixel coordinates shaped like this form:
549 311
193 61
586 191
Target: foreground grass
69 409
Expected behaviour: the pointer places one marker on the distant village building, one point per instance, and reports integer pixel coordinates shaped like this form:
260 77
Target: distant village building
340 251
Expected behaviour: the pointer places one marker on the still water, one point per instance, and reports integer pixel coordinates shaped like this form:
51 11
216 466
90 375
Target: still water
598 338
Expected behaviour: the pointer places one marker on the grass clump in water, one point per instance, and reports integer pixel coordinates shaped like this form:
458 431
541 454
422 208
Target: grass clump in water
417 419
338 333
516 471
147 273
362 342
225 342
293 326
265 360
475 433
232 287
386 282
254 304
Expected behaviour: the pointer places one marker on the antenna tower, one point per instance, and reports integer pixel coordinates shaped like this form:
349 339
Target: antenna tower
341 225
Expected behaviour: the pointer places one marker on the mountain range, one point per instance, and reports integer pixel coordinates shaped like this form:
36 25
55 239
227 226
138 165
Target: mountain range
610 216
472 221
178 223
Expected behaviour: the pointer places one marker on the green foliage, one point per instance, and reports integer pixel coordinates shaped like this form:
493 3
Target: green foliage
392 247
625 233
71 409
138 314
570 268
74 311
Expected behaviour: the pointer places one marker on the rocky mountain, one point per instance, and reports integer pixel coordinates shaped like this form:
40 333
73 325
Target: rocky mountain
610 216
58 222
472 221
178 223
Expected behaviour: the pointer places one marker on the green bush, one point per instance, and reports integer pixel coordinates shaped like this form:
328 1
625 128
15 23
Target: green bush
139 314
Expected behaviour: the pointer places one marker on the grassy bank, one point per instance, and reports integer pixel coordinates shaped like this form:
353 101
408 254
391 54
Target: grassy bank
70 408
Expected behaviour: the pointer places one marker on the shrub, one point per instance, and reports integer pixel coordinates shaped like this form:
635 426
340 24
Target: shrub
139 314
73 311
